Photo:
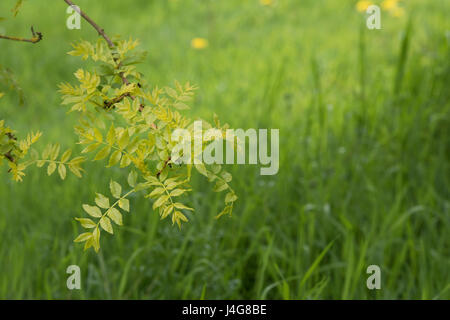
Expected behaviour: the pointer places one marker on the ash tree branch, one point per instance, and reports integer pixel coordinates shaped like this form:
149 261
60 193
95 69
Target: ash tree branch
92 23
100 31
111 45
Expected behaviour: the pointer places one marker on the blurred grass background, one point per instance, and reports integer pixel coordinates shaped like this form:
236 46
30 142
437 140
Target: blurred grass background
364 154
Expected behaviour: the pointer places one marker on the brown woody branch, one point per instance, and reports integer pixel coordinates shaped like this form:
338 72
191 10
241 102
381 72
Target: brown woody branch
92 23
37 36
110 103
11 136
164 166
9 157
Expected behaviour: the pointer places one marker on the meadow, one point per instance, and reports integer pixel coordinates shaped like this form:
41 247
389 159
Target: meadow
364 154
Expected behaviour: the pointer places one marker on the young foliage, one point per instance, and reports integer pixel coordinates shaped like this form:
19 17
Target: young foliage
9 82
123 123
127 124
19 154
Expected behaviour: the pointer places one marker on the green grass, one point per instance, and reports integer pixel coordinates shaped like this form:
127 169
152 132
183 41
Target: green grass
364 155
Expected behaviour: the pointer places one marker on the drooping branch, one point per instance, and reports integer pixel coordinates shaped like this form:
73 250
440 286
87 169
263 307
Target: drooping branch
37 36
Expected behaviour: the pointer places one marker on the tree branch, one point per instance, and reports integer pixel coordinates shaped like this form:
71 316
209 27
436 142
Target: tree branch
109 103
100 31
164 166
111 45
9 157
92 23
37 36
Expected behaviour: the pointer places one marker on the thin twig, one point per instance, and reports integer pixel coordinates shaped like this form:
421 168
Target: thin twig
37 36
164 166
110 103
92 23
11 136
9 157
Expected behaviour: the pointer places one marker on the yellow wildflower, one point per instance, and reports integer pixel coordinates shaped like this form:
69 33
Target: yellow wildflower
389 4
362 5
393 7
266 2
199 43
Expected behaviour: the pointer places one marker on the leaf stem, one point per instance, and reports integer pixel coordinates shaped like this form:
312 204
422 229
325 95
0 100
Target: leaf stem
115 204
